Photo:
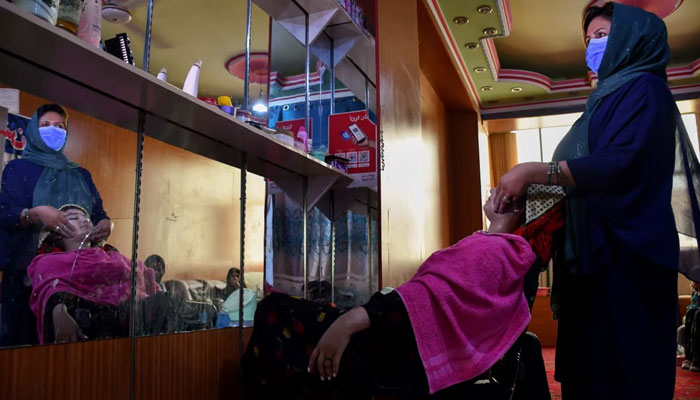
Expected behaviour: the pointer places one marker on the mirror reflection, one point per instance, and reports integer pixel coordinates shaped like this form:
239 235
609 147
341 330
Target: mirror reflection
189 238
66 205
67 201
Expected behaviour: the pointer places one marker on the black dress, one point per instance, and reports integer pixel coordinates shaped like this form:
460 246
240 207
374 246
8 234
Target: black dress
617 308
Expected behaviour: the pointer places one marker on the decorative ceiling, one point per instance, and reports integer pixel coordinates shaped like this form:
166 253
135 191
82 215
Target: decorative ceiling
521 58
214 33
517 57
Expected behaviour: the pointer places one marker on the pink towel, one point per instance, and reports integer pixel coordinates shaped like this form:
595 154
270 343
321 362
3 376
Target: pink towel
467 305
103 277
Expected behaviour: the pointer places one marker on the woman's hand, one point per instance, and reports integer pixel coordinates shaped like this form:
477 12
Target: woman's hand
101 231
65 329
52 219
514 183
327 354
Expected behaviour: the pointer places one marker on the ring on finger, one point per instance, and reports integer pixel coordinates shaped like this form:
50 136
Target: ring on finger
506 199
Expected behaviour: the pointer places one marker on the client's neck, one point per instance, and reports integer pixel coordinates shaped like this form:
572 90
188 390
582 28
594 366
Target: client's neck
500 227
72 245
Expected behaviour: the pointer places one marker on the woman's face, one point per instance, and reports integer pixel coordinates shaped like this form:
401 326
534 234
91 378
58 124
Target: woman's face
52 118
79 221
235 280
598 28
158 268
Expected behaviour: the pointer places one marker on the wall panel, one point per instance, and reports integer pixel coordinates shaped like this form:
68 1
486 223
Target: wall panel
399 85
431 186
465 180
198 365
88 370
435 186
503 151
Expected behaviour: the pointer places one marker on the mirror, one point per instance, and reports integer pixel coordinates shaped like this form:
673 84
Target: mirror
78 288
341 259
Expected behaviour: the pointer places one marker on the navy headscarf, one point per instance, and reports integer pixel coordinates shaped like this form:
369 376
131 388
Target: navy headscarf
637 44
60 182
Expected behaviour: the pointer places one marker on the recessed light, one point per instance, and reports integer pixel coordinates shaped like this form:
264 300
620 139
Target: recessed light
460 20
516 89
484 9
486 88
479 70
472 45
490 31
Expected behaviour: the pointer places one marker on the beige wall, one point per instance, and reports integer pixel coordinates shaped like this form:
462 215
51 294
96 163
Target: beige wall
190 214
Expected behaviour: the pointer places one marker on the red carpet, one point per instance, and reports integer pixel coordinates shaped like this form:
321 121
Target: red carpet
687 383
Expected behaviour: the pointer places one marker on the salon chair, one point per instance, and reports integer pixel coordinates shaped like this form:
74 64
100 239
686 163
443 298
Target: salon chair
519 375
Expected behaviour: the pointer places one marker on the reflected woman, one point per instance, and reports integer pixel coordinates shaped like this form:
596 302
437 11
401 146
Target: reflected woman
32 189
82 291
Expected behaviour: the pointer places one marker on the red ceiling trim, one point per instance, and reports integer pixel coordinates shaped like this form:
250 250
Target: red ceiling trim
505 16
454 49
536 104
530 77
295 81
684 72
339 93
570 101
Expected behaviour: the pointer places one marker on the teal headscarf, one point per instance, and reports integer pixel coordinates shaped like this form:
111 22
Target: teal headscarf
60 182
636 45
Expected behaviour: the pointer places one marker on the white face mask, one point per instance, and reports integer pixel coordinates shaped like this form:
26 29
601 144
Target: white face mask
54 137
595 52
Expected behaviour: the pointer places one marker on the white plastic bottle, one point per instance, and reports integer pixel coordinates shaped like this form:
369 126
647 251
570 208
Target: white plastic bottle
163 75
192 81
90 27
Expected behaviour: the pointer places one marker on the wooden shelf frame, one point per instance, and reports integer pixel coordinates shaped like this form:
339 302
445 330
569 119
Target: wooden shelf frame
48 62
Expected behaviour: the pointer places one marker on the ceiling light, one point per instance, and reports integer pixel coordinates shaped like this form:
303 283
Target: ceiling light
116 14
479 70
460 20
516 89
484 10
490 31
472 45
486 88
260 107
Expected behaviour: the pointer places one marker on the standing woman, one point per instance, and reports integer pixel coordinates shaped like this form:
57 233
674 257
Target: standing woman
615 283
32 189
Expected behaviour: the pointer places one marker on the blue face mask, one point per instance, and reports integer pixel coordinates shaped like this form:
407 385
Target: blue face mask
595 52
54 137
